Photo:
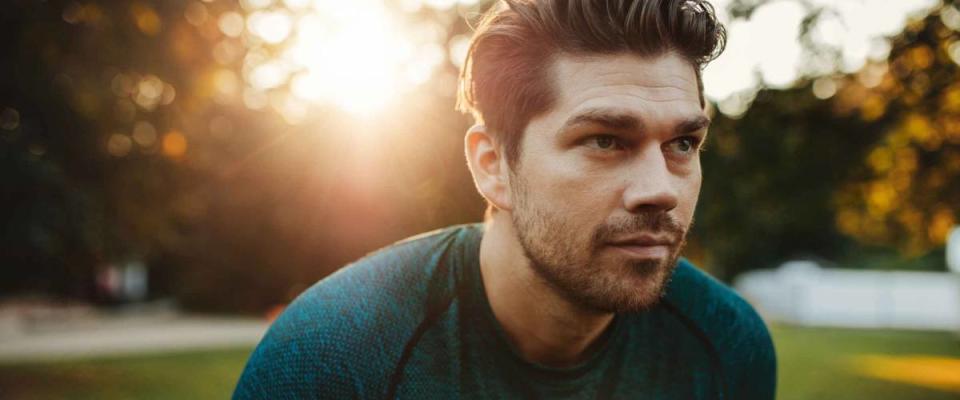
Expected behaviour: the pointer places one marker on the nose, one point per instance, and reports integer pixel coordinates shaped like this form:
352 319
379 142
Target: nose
651 186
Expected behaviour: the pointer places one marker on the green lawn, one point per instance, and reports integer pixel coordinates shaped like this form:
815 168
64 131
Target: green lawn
817 363
186 375
814 364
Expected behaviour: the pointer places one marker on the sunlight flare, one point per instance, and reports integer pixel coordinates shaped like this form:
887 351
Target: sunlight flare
354 55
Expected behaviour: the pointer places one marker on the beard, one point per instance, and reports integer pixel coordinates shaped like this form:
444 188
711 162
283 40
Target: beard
583 269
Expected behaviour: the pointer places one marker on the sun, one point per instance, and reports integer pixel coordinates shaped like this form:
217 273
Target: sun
357 55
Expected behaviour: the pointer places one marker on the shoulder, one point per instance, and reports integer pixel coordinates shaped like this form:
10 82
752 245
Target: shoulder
709 301
731 325
343 335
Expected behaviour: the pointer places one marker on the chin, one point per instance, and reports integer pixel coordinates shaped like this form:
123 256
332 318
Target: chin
634 286
643 295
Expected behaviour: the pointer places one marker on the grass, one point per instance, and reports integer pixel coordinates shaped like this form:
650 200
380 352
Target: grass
814 364
184 375
836 363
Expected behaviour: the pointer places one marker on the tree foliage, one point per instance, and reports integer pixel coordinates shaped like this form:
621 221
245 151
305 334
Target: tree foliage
873 166
906 191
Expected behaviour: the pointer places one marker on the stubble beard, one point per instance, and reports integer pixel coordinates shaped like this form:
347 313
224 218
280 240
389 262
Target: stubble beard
575 269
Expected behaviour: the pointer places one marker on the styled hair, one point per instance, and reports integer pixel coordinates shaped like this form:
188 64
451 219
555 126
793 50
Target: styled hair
505 79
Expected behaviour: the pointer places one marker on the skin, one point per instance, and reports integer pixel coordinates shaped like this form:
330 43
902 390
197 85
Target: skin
591 220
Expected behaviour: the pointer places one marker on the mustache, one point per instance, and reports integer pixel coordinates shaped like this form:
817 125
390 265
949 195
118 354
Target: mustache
656 223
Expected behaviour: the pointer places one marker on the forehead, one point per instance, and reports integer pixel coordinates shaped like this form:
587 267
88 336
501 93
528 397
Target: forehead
662 87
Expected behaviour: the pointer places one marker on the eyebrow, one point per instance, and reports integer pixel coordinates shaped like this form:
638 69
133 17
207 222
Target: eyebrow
611 119
692 125
625 121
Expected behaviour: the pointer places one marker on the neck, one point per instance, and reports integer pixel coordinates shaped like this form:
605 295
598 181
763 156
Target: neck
542 325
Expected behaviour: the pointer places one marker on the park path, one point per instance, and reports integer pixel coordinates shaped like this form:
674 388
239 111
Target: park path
125 334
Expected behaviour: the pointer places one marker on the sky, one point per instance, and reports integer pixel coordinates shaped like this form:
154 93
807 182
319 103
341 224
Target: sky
765 50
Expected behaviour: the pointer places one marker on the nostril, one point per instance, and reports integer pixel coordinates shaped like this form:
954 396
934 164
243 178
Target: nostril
653 207
639 201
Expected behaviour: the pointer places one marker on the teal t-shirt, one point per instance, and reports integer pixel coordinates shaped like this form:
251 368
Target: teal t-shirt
412 321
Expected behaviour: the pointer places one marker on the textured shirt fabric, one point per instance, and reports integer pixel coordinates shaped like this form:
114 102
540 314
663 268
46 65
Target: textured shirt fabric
412 321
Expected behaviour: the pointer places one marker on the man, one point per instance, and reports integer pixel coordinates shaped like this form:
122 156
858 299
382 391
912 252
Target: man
590 118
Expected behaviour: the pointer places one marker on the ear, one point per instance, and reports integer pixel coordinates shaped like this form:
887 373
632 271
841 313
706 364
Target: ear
488 166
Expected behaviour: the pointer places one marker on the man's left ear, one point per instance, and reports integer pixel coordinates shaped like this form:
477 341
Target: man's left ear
488 166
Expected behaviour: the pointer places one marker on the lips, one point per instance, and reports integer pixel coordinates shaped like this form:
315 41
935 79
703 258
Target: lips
644 246
644 240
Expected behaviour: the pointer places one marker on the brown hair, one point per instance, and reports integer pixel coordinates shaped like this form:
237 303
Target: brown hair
504 81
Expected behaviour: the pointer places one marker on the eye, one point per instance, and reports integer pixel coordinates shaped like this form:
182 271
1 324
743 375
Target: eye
604 142
684 145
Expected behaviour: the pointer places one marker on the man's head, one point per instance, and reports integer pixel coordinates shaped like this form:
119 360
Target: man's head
505 79
590 118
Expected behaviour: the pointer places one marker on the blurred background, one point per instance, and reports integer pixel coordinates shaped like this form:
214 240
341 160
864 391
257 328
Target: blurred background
174 172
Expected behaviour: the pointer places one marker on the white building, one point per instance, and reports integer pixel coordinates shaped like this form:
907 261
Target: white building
803 293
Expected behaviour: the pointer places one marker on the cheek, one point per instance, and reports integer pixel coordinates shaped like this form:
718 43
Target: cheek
689 194
581 193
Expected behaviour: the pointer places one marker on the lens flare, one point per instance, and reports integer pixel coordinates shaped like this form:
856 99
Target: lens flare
356 55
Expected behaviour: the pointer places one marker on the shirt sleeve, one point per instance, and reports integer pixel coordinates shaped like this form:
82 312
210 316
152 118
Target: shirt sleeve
298 358
756 375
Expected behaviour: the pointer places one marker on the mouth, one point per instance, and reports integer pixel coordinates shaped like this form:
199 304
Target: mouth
646 246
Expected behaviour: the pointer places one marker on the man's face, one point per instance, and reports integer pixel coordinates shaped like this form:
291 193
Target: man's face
608 179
